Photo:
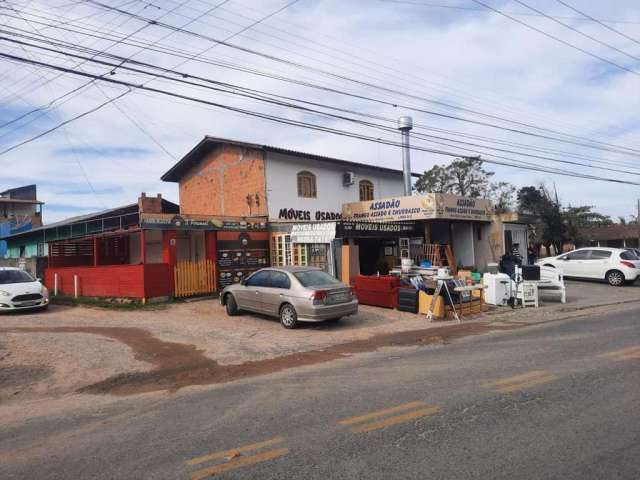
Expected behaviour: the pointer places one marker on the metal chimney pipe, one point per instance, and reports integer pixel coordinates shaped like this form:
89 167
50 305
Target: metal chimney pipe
405 124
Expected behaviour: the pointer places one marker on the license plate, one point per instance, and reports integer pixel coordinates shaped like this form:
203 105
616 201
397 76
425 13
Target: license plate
30 304
340 297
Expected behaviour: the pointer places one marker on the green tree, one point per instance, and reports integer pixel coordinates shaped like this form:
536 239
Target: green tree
557 225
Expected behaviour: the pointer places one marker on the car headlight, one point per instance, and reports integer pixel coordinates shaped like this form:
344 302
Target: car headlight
4 294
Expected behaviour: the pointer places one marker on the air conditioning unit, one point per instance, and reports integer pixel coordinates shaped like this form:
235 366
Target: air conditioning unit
348 178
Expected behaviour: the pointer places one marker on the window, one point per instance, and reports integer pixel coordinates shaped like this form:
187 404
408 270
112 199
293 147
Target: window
15 276
366 190
314 278
279 280
259 279
628 255
307 185
281 250
300 255
577 255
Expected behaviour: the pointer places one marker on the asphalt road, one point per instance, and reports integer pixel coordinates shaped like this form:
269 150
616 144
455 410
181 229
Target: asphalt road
558 400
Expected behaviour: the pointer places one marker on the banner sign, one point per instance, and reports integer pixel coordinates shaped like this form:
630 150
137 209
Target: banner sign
313 232
170 221
347 229
420 207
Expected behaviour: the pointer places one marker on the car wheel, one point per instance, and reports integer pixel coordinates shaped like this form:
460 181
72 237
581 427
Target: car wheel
615 278
231 305
288 316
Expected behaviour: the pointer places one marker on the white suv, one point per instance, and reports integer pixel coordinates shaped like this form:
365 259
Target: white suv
615 265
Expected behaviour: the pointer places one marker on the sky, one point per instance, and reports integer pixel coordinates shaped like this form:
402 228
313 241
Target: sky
432 60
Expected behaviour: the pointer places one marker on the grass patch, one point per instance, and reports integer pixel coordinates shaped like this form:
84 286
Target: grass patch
110 303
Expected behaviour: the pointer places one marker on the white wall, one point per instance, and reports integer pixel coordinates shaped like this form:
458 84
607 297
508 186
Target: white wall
282 186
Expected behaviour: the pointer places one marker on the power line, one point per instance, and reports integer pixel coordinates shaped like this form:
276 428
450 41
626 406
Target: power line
312 126
611 148
586 35
599 22
60 125
482 10
557 39
346 78
405 94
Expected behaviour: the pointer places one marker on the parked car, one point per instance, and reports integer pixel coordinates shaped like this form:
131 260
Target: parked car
292 294
20 291
615 265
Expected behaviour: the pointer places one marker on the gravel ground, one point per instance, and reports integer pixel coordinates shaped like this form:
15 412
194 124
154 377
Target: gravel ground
38 365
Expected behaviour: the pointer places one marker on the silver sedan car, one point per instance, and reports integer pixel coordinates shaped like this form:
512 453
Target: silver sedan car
292 294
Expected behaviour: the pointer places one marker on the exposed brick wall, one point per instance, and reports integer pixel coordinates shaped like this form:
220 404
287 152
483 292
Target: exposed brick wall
150 204
220 183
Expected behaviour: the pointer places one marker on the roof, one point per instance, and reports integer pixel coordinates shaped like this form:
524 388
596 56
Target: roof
20 200
611 232
80 219
208 143
111 212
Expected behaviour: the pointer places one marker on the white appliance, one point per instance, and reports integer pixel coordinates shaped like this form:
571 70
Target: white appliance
497 288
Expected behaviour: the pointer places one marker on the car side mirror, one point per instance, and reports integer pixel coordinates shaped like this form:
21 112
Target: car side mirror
243 282
39 280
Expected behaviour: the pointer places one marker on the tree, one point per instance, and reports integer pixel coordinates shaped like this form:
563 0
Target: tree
467 178
557 225
464 177
502 196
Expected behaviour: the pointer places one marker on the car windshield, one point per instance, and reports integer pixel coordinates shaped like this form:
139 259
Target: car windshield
15 276
312 278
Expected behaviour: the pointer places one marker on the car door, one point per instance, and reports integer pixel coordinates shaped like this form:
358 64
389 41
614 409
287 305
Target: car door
598 263
275 292
251 294
572 264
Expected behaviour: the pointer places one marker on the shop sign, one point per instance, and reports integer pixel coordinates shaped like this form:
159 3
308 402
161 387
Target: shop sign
346 229
419 207
313 232
306 215
169 221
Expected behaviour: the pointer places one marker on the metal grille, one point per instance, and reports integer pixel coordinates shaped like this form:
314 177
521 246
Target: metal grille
27 297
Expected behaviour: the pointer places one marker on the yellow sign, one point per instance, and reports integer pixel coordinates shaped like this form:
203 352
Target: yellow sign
419 207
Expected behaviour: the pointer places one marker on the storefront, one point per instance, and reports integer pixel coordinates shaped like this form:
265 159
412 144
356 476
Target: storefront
461 223
320 244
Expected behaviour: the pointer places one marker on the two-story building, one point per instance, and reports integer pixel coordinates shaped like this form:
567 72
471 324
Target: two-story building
20 211
301 194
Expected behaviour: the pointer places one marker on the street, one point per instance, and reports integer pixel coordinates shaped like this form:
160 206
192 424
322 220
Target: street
556 400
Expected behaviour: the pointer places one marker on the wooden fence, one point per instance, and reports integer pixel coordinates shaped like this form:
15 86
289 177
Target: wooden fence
194 278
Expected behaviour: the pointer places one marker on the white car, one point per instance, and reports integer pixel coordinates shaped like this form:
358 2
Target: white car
20 291
615 265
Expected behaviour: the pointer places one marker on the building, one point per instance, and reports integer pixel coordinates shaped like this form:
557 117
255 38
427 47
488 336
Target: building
300 194
147 250
231 178
20 211
614 236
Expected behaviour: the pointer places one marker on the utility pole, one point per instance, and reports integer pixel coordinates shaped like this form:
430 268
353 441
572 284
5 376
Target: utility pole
638 222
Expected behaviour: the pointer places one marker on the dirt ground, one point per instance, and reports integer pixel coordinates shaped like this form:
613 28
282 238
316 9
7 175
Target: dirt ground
84 352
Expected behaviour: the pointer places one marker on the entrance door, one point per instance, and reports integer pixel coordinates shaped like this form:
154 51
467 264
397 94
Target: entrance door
463 243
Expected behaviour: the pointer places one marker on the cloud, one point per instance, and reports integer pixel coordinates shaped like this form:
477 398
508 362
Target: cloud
103 151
